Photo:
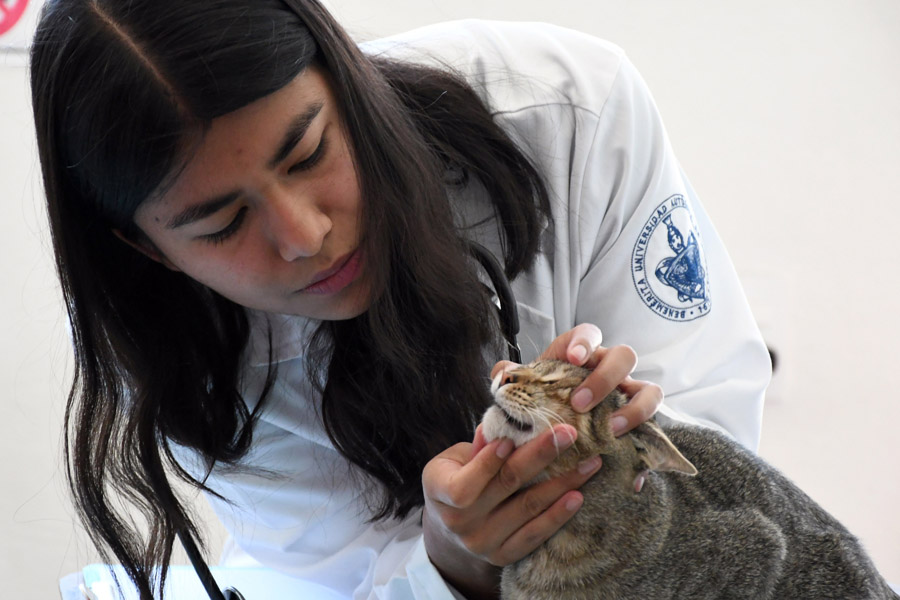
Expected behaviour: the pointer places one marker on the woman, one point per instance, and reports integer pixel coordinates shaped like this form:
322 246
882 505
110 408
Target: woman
261 231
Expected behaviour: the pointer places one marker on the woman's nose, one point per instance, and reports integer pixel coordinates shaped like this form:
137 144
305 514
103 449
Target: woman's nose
298 226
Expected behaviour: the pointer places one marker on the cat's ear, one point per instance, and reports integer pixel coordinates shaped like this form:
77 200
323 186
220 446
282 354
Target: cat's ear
657 451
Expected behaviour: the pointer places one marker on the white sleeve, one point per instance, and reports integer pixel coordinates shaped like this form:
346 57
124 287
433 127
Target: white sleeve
654 274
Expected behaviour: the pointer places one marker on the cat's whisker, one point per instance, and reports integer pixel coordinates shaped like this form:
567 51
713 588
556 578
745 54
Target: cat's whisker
548 417
552 415
558 420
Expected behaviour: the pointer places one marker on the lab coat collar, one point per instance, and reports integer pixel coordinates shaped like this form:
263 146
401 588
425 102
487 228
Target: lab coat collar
290 337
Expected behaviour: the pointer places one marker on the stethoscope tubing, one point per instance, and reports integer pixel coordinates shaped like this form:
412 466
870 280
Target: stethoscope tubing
507 311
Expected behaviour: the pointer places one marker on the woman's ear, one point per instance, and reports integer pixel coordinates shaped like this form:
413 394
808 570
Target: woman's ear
147 248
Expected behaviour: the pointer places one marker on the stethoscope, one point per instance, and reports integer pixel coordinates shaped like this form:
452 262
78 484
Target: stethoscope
509 325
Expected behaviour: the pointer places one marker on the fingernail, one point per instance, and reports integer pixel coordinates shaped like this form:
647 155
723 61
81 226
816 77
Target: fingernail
582 399
639 481
618 424
574 503
564 437
580 354
590 465
505 448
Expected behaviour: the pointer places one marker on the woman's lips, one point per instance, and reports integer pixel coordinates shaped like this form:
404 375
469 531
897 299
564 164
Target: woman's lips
335 278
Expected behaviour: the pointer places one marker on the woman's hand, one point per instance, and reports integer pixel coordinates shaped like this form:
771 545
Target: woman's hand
611 368
477 518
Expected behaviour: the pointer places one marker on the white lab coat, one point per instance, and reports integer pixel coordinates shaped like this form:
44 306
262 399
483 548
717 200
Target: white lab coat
631 250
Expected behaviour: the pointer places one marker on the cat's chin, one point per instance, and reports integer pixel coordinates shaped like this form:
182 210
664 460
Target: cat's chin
494 426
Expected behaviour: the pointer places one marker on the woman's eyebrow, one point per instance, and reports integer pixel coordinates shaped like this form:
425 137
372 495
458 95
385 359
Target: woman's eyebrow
296 130
200 211
295 133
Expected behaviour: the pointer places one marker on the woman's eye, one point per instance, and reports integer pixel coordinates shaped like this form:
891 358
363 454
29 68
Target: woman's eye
223 234
311 161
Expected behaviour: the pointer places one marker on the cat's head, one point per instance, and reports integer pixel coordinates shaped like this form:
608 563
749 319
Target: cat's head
534 397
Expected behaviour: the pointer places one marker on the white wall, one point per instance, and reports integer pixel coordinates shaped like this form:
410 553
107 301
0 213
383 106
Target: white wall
36 534
785 117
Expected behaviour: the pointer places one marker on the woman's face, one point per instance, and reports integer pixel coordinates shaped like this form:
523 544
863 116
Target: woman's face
267 211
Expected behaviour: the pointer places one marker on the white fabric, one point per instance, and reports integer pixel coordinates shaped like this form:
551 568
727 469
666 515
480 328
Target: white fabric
582 113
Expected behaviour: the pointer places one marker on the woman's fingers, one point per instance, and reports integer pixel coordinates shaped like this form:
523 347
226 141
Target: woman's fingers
480 497
610 368
539 530
457 479
519 524
644 400
527 462
576 345
501 366
537 512
581 346
465 494
478 442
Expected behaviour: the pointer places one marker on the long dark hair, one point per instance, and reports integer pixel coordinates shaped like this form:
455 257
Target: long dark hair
119 88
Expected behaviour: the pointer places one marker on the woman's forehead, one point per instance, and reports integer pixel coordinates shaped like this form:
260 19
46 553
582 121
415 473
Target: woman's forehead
258 134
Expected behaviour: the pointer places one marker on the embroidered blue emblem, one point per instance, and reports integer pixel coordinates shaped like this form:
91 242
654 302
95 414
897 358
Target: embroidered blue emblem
667 264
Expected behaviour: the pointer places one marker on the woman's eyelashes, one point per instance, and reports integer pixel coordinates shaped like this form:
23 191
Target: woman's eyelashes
310 161
304 165
226 232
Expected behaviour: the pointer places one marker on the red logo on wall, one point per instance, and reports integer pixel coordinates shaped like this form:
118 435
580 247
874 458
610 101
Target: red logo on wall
10 13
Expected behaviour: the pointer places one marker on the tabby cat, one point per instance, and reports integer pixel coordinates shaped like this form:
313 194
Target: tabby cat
679 512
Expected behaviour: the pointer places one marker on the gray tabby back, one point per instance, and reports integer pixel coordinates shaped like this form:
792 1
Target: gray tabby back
655 527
